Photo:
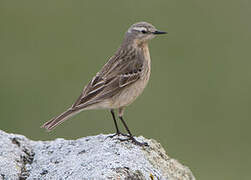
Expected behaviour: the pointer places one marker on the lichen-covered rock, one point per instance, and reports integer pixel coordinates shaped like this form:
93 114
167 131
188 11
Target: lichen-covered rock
93 157
15 154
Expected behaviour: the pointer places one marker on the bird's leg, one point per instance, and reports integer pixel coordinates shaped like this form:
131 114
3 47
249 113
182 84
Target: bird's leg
121 112
115 122
130 135
116 125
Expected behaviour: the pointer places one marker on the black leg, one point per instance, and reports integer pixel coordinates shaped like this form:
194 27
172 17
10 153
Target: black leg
126 127
116 125
130 135
115 122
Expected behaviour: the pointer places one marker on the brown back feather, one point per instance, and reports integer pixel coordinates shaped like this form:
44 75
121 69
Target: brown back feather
123 69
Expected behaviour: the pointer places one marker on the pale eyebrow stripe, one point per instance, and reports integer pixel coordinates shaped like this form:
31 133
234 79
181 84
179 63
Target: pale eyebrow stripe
140 28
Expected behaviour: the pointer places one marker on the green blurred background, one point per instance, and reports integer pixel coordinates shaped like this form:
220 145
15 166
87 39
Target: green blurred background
197 104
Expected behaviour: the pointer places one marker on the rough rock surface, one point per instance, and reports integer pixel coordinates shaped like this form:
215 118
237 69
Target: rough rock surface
93 157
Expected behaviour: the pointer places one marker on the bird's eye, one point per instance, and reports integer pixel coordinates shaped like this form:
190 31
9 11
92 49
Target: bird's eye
143 31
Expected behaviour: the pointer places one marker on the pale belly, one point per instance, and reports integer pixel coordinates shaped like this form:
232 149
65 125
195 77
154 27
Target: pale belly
129 94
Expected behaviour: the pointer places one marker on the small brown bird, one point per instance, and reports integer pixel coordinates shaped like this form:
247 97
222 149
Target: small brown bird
121 80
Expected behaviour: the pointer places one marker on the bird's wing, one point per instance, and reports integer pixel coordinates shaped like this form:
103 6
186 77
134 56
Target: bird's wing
115 75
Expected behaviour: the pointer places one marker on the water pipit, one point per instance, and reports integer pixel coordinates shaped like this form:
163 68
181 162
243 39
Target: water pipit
120 81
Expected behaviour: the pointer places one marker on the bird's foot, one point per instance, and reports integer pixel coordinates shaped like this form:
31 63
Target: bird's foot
118 134
135 141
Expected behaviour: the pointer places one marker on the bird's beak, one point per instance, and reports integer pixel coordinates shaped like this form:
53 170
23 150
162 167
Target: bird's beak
159 32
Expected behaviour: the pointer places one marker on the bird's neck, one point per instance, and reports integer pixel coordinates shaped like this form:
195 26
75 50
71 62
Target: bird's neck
140 47
143 47
140 44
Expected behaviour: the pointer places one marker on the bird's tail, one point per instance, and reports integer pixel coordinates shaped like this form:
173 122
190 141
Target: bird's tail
59 119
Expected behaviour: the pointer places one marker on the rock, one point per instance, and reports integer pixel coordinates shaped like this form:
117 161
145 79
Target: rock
93 157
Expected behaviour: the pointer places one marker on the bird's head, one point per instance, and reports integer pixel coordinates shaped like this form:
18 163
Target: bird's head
142 32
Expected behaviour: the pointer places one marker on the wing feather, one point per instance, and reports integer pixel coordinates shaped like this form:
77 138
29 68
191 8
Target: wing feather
120 71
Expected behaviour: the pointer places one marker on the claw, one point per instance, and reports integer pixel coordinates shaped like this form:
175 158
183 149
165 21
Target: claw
118 134
135 141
